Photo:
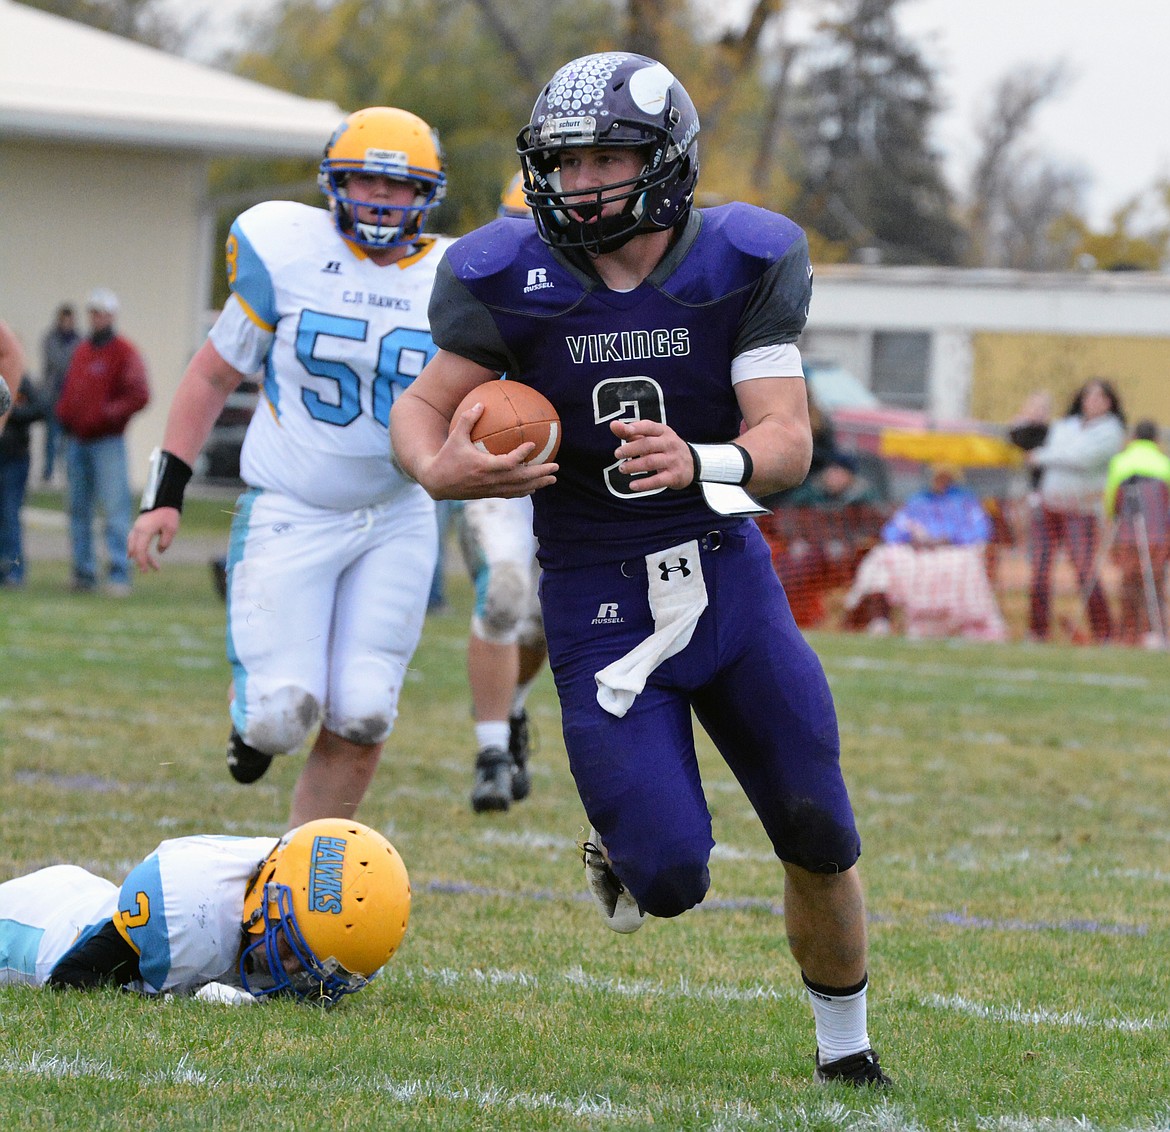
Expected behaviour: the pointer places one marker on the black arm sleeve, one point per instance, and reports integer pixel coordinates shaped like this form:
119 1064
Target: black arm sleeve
105 959
462 325
779 308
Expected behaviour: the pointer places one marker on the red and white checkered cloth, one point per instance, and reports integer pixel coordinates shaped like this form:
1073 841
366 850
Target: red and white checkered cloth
941 592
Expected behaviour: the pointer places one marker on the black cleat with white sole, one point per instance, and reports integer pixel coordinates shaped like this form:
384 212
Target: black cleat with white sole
245 763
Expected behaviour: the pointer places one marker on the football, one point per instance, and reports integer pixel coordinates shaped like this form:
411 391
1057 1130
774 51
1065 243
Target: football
512 414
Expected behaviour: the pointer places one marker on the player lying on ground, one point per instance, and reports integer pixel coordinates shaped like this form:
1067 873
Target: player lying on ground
314 915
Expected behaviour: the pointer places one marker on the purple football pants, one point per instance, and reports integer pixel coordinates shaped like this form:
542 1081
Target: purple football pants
758 690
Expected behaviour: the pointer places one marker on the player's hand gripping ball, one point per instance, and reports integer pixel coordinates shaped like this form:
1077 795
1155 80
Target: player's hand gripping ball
513 413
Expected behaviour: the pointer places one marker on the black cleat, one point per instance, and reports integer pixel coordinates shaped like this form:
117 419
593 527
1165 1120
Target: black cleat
860 1070
493 780
520 747
245 763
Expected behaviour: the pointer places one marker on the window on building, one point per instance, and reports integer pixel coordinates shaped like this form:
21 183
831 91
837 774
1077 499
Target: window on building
901 368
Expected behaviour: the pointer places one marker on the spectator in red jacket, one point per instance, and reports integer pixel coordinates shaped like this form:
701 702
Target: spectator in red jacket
105 386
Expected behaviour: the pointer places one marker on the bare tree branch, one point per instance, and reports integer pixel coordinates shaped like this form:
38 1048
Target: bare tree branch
739 54
748 44
644 21
774 122
520 58
1015 100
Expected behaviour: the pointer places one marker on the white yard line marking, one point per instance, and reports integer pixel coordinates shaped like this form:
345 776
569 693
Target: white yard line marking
1041 1016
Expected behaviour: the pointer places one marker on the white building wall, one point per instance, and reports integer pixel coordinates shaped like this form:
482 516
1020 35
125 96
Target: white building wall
952 365
853 303
107 217
907 298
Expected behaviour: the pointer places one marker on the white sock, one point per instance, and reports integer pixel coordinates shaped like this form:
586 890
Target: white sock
492 733
840 1016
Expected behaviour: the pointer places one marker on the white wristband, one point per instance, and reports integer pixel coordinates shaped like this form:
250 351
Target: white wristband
721 463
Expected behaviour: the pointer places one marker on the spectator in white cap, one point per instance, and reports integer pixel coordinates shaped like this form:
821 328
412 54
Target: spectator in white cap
104 387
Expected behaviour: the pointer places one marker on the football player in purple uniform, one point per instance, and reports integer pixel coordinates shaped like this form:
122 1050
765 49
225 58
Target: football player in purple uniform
666 338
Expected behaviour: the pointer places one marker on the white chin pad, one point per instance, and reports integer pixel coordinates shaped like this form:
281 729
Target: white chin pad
376 233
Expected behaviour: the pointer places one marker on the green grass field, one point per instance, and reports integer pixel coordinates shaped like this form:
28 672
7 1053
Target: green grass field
1014 803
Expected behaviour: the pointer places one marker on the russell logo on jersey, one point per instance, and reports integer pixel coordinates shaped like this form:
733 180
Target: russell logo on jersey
607 614
537 280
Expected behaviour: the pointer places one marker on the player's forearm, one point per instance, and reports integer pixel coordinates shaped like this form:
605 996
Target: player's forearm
104 959
779 435
781 454
417 432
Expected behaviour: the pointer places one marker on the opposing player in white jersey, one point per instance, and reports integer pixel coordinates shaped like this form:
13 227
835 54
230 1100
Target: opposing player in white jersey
505 646
230 919
332 549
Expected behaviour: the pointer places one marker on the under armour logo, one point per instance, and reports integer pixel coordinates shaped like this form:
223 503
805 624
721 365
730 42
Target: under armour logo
333 267
668 570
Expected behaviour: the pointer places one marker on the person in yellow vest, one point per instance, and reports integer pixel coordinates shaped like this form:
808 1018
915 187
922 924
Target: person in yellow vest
1137 500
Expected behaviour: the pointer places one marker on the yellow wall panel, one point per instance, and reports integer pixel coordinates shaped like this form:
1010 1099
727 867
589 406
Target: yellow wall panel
1007 367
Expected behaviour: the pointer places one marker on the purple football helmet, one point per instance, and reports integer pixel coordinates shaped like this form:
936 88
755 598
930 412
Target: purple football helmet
611 99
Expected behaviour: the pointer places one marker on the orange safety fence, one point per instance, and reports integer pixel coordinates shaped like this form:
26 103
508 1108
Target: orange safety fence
1100 587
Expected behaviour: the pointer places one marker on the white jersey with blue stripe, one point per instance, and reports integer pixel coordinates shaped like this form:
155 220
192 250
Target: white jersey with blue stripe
181 909
338 338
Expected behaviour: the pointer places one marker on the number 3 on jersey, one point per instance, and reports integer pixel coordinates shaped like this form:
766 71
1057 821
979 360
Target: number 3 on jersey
627 399
402 353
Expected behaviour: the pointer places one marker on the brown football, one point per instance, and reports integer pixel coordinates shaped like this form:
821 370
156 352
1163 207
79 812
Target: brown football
513 413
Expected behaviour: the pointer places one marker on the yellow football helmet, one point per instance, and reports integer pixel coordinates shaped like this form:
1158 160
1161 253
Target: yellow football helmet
393 143
328 907
512 202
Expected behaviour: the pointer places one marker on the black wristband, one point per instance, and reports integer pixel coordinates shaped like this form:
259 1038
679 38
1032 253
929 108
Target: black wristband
748 467
166 482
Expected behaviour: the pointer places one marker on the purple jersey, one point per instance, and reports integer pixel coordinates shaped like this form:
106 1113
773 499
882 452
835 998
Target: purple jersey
737 278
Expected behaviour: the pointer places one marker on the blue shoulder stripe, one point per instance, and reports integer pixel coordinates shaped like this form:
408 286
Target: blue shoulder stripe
142 920
249 278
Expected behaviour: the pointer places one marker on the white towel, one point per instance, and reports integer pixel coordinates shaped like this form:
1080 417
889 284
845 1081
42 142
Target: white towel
730 499
678 597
